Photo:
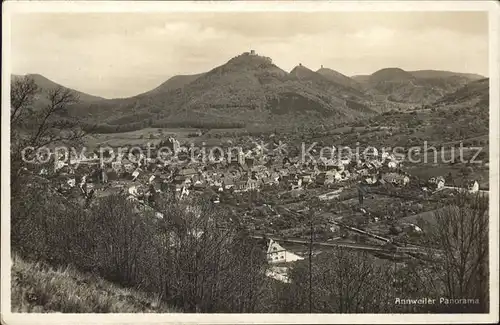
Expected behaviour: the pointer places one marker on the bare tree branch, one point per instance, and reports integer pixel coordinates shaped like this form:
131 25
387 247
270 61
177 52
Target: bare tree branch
60 98
23 92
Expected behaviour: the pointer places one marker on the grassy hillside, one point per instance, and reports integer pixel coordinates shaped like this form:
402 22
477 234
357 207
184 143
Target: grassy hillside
174 83
400 86
339 78
39 288
390 74
444 74
330 82
476 92
395 86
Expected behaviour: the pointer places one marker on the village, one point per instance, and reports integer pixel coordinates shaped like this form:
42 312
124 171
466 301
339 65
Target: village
357 202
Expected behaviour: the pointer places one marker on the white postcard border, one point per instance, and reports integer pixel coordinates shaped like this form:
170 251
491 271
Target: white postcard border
14 7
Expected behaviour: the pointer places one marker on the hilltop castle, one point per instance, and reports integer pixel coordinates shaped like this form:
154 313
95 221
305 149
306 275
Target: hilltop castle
253 53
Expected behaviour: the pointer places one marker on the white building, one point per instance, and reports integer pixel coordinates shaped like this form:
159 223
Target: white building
440 182
334 174
151 179
71 182
474 187
330 195
392 164
277 254
278 273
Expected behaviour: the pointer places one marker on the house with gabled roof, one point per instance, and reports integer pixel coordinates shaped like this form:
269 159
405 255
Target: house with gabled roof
187 172
252 185
277 254
437 182
240 186
473 186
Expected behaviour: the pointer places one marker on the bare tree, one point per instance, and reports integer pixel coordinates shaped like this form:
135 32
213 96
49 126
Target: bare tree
49 127
23 92
39 125
344 282
37 122
461 232
37 119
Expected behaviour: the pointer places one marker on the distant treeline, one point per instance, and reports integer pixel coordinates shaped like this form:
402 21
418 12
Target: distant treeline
111 128
199 124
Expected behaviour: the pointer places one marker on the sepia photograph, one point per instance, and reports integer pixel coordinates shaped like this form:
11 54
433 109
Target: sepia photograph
250 162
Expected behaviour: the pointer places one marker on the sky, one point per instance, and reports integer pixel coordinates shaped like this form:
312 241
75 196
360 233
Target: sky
123 54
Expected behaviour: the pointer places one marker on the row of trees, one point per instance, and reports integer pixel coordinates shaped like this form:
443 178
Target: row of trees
217 271
133 126
455 267
187 258
223 270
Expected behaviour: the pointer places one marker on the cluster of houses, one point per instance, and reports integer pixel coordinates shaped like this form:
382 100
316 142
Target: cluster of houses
438 184
145 176
239 174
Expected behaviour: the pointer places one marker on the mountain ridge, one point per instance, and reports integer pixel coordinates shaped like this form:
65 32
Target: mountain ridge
247 88
471 94
338 77
250 88
175 82
415 87
45 84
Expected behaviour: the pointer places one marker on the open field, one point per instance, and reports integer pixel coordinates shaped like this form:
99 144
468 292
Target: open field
135 138
426 171
140 137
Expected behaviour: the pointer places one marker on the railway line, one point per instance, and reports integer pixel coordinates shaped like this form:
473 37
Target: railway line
388 246
354 246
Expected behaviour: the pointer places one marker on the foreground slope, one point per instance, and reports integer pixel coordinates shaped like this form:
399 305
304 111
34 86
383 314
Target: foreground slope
39 288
